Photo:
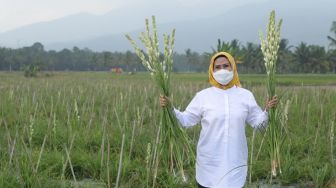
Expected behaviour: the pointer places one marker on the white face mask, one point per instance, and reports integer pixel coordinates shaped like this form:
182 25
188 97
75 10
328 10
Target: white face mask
223 76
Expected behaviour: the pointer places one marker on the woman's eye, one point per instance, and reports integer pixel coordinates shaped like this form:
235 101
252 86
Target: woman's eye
225 66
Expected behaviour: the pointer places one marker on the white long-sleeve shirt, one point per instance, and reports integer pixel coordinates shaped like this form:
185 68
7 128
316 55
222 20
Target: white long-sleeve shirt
222 149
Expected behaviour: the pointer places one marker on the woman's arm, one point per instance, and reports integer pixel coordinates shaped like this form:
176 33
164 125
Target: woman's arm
191 116
257 117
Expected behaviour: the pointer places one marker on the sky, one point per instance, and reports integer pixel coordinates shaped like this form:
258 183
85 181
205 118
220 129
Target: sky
17 13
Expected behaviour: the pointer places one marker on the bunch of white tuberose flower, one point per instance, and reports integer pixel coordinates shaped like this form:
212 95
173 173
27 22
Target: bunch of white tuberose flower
269 48
174 146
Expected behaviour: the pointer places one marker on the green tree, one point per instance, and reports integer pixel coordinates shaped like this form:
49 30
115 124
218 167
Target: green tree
318 60
128 60
333 30
193 60
232 47
285 59
301 56
331 57
252 60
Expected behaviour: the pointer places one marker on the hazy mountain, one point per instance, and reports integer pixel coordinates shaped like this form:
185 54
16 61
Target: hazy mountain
86 26
307 21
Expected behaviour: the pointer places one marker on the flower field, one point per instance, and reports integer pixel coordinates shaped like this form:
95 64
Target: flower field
98 129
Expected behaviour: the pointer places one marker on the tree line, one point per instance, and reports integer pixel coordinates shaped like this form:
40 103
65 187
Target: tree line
303 58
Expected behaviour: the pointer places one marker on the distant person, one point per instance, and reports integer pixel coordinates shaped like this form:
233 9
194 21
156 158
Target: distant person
223 110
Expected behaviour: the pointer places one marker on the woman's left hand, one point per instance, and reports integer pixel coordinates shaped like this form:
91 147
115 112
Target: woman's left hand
271 103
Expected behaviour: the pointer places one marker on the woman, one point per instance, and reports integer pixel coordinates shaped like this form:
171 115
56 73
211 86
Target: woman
222 110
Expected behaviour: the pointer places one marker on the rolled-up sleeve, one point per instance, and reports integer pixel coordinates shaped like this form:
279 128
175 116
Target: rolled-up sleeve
192 114
256 117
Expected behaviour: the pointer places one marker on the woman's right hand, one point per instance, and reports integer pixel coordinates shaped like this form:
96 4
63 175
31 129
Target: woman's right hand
164 100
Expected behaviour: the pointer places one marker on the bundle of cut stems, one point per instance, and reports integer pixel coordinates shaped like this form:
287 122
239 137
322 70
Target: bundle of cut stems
269 48
174 146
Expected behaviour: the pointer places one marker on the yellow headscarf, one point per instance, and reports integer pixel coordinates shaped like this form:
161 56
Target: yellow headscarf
235 79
